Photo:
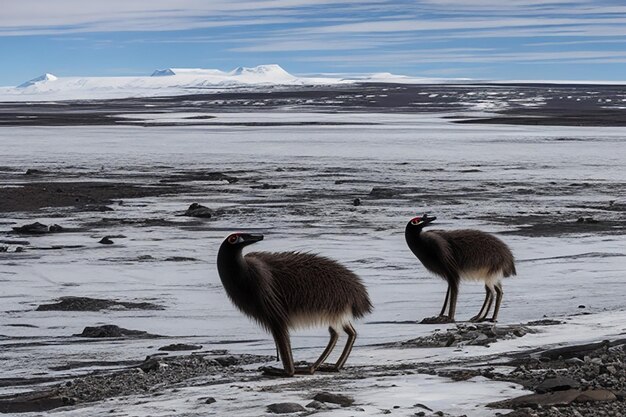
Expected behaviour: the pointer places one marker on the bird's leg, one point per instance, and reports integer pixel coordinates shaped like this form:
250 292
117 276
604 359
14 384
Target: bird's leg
334 336
277 355
496 309
351 332
445 303
310 370
454 292
281 338
441 318
484 310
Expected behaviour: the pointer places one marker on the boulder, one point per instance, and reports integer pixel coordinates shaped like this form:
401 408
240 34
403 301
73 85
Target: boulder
559 383
327 397
284 408
198 210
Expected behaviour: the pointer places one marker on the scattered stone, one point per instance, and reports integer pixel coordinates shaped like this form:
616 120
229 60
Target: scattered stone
105 241
94 304
536 400
32 229
33 171
227 360
327 397
266 186
19 249
179 259
200 176
4 248
152 364
210 400
596 395
97 208
582 306
111 330
559 383
198 210
316 405
467 334
544 322
176 347
588 220
284 408
55 228
419 405
356 202
382 192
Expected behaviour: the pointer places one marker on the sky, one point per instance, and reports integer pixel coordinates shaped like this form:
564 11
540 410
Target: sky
478 39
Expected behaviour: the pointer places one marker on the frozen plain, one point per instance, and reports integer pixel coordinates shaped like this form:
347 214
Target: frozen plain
470 176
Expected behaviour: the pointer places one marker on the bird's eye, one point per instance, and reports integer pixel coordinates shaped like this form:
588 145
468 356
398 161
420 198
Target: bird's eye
232 238
414 222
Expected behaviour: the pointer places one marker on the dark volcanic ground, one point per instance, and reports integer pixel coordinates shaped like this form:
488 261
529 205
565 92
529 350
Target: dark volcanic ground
532 104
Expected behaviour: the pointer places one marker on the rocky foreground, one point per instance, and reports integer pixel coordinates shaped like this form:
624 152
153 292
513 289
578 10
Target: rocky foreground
574 381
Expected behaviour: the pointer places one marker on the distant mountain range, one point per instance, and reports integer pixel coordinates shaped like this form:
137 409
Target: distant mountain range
178 81
181 81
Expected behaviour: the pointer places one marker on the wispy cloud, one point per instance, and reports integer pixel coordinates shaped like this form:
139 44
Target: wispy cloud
421 36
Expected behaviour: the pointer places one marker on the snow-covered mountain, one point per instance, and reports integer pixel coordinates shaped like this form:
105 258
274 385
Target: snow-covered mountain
179 81
38 80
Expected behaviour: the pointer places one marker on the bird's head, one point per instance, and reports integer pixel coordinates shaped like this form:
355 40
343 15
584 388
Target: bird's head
420 221
239 240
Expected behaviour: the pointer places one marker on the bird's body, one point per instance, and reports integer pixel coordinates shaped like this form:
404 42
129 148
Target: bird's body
457 255
288 290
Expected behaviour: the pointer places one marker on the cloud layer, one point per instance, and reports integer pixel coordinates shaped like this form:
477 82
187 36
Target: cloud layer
339 34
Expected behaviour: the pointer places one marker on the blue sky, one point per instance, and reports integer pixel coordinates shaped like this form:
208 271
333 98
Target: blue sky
481 39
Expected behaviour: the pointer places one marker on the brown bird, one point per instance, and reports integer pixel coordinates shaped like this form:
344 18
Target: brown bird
457 255
286 290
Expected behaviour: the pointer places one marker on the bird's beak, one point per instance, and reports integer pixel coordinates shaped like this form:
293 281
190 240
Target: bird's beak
428 220
252 237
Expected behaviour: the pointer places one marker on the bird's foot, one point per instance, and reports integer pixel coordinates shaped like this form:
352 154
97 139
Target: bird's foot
325 367
273 371
491 320
305 370
477 319
437 320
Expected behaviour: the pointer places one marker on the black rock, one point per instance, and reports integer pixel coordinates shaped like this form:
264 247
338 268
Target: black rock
32 171
55 228
266 186
327 397
180 347
381 192
198 210
32 229
227 360
94 304
111 330
356 202
316 405
105 241
97 208
151 364
284 408
560 383
210 400
4 248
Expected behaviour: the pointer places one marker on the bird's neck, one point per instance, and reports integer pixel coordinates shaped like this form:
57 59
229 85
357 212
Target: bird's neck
231 265
413 238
